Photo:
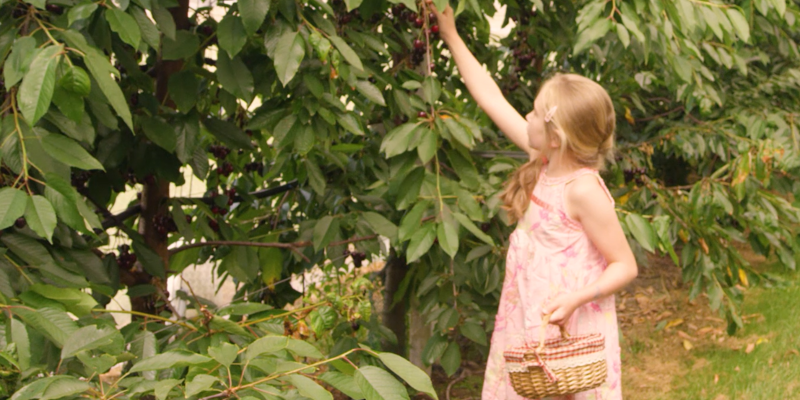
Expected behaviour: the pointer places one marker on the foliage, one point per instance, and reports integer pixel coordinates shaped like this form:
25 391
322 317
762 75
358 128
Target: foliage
351 117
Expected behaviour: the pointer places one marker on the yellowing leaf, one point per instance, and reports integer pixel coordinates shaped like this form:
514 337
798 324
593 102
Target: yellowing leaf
673 323
743 277
687 345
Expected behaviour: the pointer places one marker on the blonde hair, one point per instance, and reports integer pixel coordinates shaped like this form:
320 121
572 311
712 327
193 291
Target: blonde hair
583 123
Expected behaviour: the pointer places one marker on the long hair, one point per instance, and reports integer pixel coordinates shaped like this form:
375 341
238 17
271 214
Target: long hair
583 123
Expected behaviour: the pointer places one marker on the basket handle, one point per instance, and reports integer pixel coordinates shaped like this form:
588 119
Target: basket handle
543 330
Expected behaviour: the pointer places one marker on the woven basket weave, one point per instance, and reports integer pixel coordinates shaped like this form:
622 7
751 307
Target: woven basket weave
557 367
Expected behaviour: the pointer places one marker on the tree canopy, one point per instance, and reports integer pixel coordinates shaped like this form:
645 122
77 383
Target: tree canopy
318 126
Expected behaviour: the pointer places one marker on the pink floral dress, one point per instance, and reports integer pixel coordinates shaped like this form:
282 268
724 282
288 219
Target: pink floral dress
549 253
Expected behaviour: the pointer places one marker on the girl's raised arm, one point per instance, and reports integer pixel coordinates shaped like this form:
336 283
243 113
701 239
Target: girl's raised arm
481 85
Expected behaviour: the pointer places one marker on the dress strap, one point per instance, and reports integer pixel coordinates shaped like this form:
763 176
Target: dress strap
588 171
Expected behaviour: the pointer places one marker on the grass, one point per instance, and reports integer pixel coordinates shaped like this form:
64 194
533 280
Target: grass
771 370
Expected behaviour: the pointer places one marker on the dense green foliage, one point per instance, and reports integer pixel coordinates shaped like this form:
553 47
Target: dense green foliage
353 110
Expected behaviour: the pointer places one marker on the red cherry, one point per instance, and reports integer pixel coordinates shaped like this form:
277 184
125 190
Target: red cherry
419 22
435 29
422 114
418 44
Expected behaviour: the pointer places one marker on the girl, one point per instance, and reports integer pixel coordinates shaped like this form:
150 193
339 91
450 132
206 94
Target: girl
568 254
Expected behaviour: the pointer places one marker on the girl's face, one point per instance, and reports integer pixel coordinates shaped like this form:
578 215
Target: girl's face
537 137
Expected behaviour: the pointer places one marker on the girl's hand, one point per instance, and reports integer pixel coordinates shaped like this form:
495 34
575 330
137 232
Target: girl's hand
561 308
446 21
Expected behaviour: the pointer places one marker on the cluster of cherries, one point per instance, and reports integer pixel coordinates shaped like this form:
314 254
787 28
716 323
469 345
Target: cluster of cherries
220 152
164 224
634 174
217 210
358 257
126 259
78 180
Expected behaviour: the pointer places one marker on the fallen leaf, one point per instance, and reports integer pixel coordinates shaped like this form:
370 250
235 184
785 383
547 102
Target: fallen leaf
761 340
721 397
687 345
684 335
793 351
704 330
750 348
716 378
663 315
674 322
736 369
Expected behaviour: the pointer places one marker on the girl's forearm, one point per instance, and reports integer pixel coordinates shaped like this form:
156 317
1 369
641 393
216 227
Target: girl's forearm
616 276
478 81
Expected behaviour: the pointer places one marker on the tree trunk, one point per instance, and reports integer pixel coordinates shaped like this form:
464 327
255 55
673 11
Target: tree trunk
394 316
419 334
156 191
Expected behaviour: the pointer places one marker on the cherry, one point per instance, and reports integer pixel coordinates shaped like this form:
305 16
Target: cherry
432 17
422 114
411 17
206 30
54 9
150 179
418 44
213 225
20 222
435 29
419 22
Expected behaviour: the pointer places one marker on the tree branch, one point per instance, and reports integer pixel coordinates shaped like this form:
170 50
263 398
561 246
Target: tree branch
118 219
291 246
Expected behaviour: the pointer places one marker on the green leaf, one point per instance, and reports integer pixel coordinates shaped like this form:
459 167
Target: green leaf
235 77
371 92
304 140
88 338
224 354
448 238
349 122
352 5
459 133
36 91
80 11
169 359
780 6
183 89
451 359
271 265
431 90
381 225
288 55
65 387
13 203
343 383
183 46
410 373
231 34
266 345
474 332
253 13
160 133
428 145
69 152
309 388
54 324
421 242
623 35
325 231
18 334
188 130
739 24
467 223
41 217
75 301
101 70
396 141
165 22
228 133
76 80
642 231
597 30
303 349
150 260
124 25
377 384
200 383
713 22
409 189
347 52
315 177
150 33
199 163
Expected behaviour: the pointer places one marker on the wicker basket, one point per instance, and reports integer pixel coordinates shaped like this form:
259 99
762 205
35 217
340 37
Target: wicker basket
559 366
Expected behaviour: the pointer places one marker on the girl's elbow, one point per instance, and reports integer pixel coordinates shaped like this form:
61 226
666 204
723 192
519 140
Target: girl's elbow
634 271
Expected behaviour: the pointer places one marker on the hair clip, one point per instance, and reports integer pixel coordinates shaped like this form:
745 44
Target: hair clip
550 114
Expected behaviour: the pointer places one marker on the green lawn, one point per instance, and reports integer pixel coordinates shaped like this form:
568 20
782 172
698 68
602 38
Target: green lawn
770 371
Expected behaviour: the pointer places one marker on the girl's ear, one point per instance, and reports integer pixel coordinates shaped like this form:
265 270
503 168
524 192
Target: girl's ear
555 141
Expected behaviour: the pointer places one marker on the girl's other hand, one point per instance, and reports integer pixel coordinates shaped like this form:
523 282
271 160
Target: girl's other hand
446 21
561 308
